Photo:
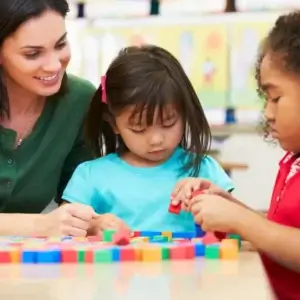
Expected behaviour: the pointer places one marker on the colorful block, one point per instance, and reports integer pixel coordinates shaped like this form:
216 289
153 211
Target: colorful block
175 209
168 234
212 251
103 255
127 254
150 253
121 238
108 235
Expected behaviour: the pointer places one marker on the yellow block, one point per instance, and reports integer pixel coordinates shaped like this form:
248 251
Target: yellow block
229 249
140 239
167 234
151 254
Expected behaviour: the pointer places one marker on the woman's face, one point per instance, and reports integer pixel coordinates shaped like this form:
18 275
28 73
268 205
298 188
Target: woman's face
36 56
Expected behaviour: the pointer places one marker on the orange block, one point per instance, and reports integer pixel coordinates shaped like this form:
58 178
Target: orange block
151 254
15 255
229 249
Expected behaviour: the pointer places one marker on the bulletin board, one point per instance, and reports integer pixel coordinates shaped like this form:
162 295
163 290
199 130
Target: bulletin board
244 45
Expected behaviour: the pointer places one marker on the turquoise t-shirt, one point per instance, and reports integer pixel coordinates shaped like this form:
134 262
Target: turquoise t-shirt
139 196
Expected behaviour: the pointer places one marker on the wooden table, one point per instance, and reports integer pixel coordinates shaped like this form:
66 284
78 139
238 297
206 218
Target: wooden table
182 280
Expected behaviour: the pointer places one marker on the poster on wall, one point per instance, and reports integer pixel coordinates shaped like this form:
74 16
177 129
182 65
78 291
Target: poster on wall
200 48
244 45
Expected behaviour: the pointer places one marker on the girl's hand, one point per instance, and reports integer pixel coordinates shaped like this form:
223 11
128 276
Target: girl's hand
214 213
107 222
184 189
70 219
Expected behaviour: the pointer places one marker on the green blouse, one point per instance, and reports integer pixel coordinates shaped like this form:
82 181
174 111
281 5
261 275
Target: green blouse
38 171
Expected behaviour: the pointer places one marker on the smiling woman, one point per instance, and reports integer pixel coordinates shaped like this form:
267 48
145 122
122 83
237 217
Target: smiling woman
41 116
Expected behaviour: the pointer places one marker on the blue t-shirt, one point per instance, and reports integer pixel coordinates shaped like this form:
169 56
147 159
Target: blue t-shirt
140 196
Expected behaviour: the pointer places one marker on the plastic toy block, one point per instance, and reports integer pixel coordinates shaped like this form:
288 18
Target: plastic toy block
212 251
151 254
220 235
89 256
165 252
136 233
108 235
178 252
127 254
93 238
15 255
168 234
199 231
121 238
199 249
210 238
5 256
138 252
102 255
150 234
47 256
159 239
116 253
229 249
189 251
68 255
81 255
175 209
236 237
183 235
28 256
140 239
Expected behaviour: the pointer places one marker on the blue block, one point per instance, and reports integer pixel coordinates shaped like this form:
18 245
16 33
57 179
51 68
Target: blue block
116 254
199 249
29 256
199 231
183 235
49 256
150 233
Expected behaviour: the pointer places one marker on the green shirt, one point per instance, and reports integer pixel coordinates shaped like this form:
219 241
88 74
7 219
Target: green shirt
37 172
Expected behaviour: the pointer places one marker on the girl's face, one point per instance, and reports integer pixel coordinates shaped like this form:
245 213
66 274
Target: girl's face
150 145
282 110
36 56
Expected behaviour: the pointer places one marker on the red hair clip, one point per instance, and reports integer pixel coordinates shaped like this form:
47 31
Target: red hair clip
103 86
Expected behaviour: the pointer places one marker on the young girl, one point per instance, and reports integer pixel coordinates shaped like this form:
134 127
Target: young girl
277 237
147 125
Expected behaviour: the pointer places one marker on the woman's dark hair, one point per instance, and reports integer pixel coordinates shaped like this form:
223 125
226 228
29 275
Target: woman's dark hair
283 45
13 13
148 78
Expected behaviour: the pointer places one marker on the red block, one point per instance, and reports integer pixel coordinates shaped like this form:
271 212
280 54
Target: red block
220 235
210 238
5 257
89 256
127 254
121 238
68 255
136 233
93 238
178 252
175 209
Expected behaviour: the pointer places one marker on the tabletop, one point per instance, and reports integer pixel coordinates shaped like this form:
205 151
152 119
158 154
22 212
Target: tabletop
175 280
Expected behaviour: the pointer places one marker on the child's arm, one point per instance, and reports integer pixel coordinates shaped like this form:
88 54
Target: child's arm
215 213
280 242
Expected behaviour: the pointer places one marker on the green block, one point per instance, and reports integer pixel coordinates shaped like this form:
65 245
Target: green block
160 238
80 255
212 251
108 235
102 256
236 237
165 253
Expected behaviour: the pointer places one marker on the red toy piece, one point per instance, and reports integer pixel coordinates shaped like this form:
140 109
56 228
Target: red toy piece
175 209
210 238
121 238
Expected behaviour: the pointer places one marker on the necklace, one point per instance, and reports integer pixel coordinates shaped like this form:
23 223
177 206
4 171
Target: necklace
21 139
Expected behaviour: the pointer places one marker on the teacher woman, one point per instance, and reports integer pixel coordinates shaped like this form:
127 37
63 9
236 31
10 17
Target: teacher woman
41 117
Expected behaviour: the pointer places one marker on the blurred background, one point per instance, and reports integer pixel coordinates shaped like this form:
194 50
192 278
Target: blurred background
216 41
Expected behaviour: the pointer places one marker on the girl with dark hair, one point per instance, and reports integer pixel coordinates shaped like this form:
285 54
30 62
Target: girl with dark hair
148 129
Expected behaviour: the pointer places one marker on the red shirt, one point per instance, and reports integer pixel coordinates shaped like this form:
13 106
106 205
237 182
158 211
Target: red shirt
285 209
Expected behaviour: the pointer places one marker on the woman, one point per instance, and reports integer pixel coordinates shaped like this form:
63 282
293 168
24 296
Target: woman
41 115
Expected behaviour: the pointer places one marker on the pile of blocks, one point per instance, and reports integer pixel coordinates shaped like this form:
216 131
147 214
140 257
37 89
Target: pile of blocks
117 247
